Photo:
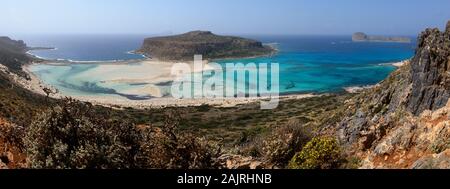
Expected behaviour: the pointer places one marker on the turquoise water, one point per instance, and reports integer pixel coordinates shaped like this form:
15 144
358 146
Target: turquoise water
329 63
307 63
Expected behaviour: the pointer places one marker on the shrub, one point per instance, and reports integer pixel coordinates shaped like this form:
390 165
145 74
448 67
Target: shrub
169 149
440 145
72 136
10 133
11 154
283 142
319 153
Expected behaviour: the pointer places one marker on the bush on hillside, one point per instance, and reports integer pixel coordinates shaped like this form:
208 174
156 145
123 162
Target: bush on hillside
319 153
72 136
282 144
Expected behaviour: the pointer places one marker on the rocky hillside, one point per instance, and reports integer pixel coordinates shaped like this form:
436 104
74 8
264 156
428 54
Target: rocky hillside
12 54
17 104
211 46
404 122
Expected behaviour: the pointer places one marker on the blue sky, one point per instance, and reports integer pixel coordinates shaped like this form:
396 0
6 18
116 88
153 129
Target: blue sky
323 17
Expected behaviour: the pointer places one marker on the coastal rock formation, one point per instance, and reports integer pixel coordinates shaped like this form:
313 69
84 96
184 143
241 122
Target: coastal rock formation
431 72
404 122
185 46
12 54
7 44
362 37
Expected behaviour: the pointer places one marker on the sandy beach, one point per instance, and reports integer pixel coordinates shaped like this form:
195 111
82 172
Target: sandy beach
400 64
397 64
150 73
357 89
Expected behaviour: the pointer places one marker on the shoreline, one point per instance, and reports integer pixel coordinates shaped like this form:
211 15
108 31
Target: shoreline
360 88
166 102
397 64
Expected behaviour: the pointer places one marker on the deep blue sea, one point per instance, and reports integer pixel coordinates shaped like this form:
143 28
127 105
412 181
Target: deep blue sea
307 63
86 47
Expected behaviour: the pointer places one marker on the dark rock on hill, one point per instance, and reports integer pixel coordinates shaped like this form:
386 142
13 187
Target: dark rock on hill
362 37
185 46
431 72
12 54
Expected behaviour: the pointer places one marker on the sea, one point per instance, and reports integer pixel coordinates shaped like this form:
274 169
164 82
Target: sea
308 64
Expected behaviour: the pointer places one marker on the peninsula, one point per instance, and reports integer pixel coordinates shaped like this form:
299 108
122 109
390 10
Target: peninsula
183 47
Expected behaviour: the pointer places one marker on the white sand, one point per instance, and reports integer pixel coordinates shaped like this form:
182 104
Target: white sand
357 89
171 102
149 72
34 84
397 64
400 64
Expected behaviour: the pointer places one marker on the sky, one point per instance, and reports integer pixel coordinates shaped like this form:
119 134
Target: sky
277 17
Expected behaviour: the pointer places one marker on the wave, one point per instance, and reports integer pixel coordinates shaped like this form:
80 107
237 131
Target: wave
136 53
87 61
40 57
396 64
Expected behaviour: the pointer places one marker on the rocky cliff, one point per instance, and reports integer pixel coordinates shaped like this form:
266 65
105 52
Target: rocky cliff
184 47
404 122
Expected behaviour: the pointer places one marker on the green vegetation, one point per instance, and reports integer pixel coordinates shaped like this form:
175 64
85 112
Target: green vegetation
71 136
319 153
284 142
241 125
17 104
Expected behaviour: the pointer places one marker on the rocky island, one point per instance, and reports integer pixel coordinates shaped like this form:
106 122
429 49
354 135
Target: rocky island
211 46
362 37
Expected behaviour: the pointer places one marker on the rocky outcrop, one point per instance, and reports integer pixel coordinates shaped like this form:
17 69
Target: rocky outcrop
12 55
7 44
403 121
431 71
362 37
229 161
183 47
438 161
